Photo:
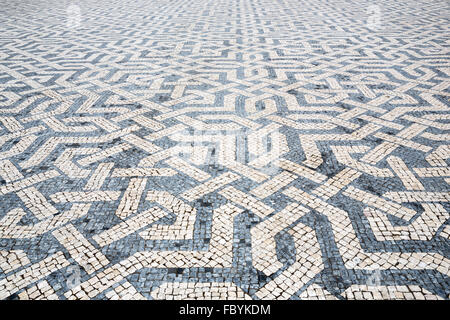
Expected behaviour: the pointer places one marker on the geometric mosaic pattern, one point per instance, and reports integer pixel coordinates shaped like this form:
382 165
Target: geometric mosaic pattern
249 149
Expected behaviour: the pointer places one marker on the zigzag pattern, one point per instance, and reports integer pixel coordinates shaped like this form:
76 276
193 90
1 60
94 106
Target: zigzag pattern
244 149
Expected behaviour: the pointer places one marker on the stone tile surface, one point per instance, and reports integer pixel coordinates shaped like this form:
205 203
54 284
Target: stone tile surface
250 149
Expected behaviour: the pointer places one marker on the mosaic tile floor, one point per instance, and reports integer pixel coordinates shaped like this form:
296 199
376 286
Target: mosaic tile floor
245 149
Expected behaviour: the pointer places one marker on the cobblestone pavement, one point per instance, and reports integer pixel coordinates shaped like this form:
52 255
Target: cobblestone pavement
232 149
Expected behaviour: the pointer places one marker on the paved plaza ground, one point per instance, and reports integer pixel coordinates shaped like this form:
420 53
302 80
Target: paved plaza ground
224 149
